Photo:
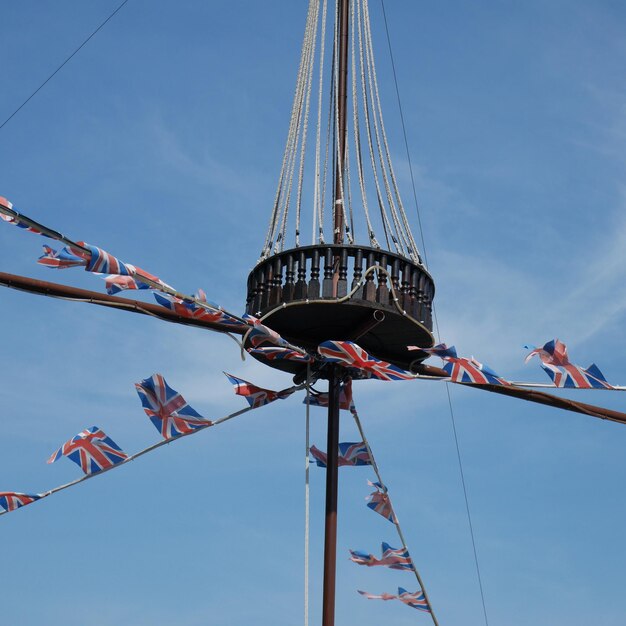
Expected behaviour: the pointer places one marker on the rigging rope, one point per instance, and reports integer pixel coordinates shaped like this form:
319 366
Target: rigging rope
396 523
58 69
419 219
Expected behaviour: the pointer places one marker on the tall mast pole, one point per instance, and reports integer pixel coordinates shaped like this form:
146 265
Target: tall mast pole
343 16
334 381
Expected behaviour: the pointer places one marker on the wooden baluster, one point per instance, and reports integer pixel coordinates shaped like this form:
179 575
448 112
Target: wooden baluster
382 291
421 293
405 287
267 287
428 305
276 290
300 289
395 282
342 283
314 283
369 289
327 284
413 311
358 273
260 287
290 274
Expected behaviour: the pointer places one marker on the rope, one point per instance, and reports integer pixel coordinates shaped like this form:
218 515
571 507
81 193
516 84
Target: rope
373 91
306 495
154 446
355 415
406 143
357 138
368 126
58 69
406 232
317 194
456 440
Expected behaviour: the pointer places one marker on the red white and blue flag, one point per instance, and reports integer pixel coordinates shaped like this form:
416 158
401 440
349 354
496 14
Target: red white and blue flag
394 558
262 334
416 600
351 355
11 500
275 353
354 454
167 409
441 350
15 221
555 362
192 310
60 260
92 450
256 396
464 370
321 398
379 501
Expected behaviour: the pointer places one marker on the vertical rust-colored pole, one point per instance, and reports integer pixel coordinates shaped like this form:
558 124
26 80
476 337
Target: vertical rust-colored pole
332 484
343 15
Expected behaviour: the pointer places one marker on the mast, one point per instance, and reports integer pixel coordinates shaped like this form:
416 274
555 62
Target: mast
343 14
334 381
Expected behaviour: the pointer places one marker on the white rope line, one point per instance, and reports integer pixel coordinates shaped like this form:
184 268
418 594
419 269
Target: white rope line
275 216
309 84
399 235
317 193
357 135
412 246
306 495
355 415
368 127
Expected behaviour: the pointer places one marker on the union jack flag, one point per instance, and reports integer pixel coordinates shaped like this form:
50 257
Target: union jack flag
167 409
351 355
92 449
417 600
116 283
379 501
394 558
11 500
440 350
260 334
464 370
15 221
275 353
363 558
256 396
60 260
555 362
101 262
321 399
354 454
381 596
190 309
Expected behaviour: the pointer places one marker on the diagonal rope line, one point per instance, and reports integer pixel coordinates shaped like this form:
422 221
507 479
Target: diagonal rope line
58 69
406 143
419 220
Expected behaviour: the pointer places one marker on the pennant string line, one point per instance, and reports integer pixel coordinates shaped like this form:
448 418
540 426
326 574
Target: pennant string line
152 447
142 277
355 416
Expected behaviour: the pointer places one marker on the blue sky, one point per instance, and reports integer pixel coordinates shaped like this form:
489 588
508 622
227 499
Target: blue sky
161 142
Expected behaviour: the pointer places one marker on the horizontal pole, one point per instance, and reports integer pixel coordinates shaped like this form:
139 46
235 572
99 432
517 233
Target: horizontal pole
56 290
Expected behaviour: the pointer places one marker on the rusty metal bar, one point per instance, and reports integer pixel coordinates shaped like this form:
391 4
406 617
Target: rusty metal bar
55 290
